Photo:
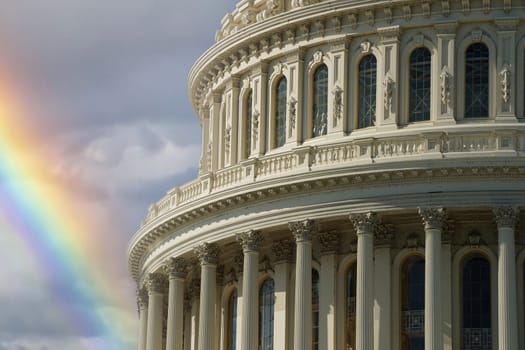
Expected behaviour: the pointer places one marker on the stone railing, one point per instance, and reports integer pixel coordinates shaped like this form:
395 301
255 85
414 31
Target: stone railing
341 155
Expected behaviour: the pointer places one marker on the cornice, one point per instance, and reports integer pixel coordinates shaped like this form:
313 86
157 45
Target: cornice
150 235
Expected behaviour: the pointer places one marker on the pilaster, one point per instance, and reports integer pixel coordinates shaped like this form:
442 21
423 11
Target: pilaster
506 68
337 106
294 123
388 100
259 113
443 88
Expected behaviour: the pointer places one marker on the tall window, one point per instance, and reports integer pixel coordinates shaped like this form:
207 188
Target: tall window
280 113
350 307
248 125
420 73
315 309
476 322
320 107
413 304
266 308
366 115
232 318
477 81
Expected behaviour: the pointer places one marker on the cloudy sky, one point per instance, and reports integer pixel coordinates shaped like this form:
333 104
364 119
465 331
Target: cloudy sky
100 90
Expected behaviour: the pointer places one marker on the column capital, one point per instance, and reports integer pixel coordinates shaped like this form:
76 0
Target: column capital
283 251
506 216
384 235
365 223
433 217
208 253
250 240
176 267
329 242
156 282
302 230
142 297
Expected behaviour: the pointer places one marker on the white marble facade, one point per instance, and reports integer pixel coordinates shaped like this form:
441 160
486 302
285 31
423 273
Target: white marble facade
361 184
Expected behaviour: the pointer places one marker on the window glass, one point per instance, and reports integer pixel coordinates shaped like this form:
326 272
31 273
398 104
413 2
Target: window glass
320 106
367 92
420 74
266 311
413 304
315 310
248 125
477 81
350 307
233 321
280 113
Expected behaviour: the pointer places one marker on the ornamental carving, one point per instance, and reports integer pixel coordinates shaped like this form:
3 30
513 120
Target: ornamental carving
142 297
238 262
231 277
227 138
504 78
433 217
506 216
283 251
474 239
207 253
388 86
194 289
302 230
318 57
265 265
292 113
366 46
272 8
413 241
329 242
156 282
255 125
176 267
384 235
250 240
445 79
338 104
364 223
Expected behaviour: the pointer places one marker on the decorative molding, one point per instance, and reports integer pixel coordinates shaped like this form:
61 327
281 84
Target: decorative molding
365 223
176 267
238 262
255 126
265 265
303 230
317 58
207 253
413 241
338 103
292 114
384 235
250 240
433 217
474 239
445 83
388 87
476 35
283 251
231 277
366 46
142 298
506 216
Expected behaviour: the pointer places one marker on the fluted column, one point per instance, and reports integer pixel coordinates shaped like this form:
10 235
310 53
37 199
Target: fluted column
208 254
365 225
302 231
250 242
156 285
142 302
506 219
433 220
176 268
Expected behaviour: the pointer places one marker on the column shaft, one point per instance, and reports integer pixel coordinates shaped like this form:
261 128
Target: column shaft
143 330
175 313
207 307
156 284
507 302
433 334
303 297
364 291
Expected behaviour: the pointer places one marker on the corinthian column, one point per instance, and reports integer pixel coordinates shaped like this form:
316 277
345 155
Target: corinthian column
176 268
156 285
433 219
506 219
250 242
302 231
208 254
365 225
142 302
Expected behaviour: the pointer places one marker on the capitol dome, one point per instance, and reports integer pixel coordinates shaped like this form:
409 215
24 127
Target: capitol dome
360 184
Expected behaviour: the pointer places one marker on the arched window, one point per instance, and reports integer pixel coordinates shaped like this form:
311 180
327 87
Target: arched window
248 125
315 309
232 321
350 307
366 115
420 73
477 81
266 308
476 317
320 106
413 304
280 113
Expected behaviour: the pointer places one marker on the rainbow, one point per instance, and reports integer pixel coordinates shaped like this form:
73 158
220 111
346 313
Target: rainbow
42 231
